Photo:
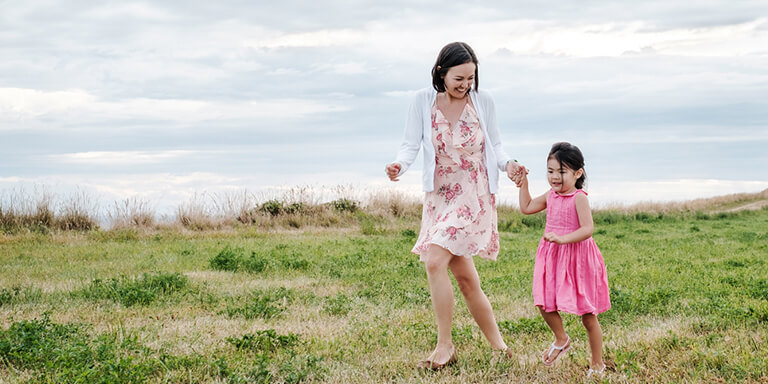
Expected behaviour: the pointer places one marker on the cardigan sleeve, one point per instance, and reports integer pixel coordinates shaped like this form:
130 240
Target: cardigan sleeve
493 132
414 132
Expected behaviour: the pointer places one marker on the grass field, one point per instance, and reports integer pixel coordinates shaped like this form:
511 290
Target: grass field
351 304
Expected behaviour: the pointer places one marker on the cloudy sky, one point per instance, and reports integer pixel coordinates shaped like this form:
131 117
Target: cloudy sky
164 100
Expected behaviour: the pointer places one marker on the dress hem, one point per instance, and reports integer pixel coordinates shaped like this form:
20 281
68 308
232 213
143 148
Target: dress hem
453 253
571 310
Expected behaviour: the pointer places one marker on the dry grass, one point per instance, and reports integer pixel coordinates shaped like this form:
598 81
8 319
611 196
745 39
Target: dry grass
730 202
296 208
39 210
132 213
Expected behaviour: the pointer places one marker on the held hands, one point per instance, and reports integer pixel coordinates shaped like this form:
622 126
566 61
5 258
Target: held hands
516 172
552 237
392 170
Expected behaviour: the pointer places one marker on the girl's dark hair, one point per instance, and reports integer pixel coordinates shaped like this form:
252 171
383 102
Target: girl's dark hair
451 55
569 156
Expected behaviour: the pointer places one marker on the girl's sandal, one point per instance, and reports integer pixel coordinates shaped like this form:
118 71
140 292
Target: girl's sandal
562 350
596 372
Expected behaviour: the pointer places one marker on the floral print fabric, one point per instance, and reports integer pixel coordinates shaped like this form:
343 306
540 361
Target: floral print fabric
460 213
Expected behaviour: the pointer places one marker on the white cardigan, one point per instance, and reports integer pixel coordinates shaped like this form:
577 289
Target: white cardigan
418 132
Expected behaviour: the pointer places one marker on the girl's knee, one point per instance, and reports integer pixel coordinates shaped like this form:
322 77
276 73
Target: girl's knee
590 321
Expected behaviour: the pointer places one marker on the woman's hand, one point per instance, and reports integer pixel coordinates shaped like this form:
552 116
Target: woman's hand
551 236
392 170
515 172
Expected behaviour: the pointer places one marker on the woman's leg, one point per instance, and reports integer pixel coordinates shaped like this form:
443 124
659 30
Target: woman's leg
595 335
441 291
463 269
555 323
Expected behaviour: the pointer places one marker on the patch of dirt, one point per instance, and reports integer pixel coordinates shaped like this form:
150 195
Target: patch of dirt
749 206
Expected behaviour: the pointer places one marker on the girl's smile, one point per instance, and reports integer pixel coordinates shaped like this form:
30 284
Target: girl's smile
560 178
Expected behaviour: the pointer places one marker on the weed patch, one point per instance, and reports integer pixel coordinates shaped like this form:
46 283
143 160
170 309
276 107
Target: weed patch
264 304
135 291
338 305
266 341
66 353
227 259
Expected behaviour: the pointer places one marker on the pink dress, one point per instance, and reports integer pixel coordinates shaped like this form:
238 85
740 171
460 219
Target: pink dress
569 277
460 213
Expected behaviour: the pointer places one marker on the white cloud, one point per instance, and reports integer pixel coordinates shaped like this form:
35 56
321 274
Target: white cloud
348 68
537 37
120 157
138 10
17 103
80 106
318 38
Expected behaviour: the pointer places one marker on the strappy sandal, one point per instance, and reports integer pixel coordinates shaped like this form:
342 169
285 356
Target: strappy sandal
431 365
552 348
596 372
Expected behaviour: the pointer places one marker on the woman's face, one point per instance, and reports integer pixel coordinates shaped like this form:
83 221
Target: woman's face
459 80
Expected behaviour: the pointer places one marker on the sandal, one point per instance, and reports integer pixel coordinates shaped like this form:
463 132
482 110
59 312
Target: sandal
596 372
552 348
431 365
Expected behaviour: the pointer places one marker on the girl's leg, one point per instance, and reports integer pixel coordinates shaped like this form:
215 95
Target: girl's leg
595 335
442 300
555 323
463 269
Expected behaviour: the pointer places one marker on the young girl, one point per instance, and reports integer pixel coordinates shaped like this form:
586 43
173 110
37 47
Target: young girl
569 274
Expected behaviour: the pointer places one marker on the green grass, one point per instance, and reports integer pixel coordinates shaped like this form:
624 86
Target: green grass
689 292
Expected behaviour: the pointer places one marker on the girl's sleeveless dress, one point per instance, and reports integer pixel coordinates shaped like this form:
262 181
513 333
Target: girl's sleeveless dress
460 213
569 277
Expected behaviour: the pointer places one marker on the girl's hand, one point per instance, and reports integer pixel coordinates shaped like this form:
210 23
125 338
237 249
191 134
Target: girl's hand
392 170
515 172
551 236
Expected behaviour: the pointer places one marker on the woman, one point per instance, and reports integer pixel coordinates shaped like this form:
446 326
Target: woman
455 123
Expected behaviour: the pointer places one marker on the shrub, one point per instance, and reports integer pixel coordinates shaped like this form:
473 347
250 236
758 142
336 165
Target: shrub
226 260
296 208
255 263
345 205
272 207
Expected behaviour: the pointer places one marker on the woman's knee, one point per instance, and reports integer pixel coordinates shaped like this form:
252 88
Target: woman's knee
437 260
469 283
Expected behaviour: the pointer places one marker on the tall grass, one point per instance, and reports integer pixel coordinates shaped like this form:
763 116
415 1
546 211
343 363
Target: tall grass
294 208
132 213
40 211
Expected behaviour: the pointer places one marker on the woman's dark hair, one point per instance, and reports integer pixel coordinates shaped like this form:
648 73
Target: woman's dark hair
451 55
569 156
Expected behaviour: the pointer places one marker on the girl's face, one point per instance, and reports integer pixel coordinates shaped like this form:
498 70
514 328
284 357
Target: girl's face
562 179
459 80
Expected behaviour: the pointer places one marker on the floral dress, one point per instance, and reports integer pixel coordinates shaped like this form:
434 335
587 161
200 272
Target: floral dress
460 213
